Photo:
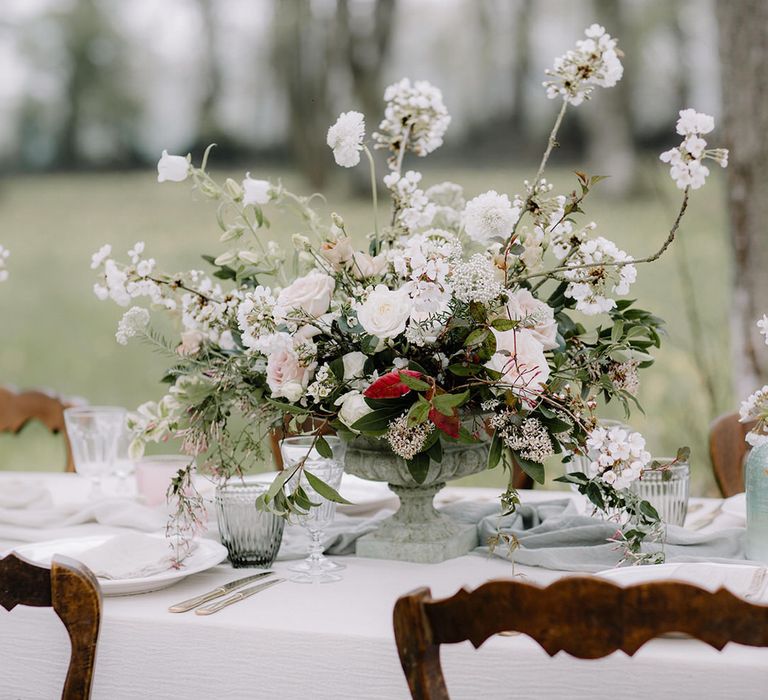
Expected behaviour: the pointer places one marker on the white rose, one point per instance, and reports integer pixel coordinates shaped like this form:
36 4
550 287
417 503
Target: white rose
385 312
310 293
523 365
353 407
364 265
338 252
354 363
255 191
538 317
285 375
173 168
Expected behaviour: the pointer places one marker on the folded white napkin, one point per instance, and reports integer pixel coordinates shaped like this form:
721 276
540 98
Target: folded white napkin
22 494
28 514
132 555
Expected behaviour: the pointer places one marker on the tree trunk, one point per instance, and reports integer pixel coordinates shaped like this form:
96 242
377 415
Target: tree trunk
304 46
744 59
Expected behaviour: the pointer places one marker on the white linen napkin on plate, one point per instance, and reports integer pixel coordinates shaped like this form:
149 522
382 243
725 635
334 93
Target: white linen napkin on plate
133 555
739 580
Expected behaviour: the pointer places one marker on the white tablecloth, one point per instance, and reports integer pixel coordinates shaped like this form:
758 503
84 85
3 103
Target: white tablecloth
335 642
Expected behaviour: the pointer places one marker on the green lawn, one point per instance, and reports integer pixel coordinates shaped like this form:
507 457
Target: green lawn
55 333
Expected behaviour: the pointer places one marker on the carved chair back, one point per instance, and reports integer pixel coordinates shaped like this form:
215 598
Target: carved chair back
73 592
727 450
18 409
577 615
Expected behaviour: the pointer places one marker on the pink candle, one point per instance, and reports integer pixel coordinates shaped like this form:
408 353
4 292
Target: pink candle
154 475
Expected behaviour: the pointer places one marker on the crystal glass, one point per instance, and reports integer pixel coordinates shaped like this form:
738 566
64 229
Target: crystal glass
94 434
252 536
154 474
315 568
666 489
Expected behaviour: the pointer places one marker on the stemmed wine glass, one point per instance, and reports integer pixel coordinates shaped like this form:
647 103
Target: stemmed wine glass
315 568
94 434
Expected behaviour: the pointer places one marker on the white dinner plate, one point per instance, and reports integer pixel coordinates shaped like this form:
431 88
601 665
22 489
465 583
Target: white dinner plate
736 506
365 497
206 554
737 578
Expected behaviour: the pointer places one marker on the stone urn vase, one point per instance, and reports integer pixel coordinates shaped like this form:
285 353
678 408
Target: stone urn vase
416 532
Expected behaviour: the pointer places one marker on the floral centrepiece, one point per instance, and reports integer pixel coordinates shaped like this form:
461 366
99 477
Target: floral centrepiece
495 318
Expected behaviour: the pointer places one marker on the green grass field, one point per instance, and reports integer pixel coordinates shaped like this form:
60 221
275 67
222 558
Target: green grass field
55 333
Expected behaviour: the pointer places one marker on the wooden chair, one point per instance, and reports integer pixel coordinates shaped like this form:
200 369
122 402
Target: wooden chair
74 594
586 617
18 409
727 450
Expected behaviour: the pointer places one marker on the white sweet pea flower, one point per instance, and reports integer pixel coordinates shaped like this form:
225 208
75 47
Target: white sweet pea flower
345 137
255 191
173 168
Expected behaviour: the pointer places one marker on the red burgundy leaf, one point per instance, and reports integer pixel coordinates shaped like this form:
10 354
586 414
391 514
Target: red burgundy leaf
448 424
389 386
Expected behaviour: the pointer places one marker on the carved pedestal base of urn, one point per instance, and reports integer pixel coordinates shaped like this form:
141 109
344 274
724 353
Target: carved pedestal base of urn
416 532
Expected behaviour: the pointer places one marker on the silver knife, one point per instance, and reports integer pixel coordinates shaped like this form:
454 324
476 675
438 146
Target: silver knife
187 605
242 595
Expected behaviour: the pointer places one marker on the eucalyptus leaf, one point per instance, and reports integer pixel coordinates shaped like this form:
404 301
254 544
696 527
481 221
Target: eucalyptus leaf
324 490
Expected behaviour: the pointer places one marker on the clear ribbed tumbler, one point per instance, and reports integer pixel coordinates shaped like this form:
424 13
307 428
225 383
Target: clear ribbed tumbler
252 537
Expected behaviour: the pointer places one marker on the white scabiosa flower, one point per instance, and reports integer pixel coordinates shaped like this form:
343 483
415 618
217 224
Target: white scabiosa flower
755 408
133 322
172 168
345 137
255 316
255 191
490 215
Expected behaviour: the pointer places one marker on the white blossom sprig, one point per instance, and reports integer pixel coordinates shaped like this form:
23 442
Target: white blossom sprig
4 255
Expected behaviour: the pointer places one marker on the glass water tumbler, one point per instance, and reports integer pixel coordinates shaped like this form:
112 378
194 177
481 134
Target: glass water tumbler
666 489
756 482
252 537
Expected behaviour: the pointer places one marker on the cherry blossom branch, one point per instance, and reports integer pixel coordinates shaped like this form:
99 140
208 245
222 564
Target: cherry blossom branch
620 263
551 143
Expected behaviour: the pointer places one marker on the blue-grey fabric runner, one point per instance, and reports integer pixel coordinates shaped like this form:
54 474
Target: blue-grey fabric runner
552 535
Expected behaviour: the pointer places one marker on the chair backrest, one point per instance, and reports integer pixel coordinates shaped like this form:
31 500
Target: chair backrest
727 450
584 616
73 592
18 409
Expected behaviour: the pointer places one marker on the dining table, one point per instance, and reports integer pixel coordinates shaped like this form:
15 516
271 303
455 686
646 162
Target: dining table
335 641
